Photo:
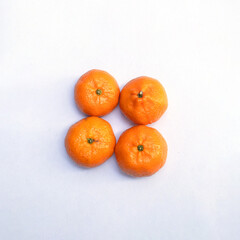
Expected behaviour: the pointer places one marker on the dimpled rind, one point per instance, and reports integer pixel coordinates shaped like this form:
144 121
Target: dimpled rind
143 100
96 93
141 163
90 153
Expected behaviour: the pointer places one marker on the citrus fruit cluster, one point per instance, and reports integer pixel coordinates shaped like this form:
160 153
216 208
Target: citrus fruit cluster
140 150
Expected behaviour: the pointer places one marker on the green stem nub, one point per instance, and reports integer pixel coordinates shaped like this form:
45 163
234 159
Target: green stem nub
90 140
140 148
140 94
98 91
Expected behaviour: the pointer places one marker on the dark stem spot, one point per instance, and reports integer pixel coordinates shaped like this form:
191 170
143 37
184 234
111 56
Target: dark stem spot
90 140
98 91
140 148
140 94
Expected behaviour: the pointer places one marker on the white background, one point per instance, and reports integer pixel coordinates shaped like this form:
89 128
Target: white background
192 47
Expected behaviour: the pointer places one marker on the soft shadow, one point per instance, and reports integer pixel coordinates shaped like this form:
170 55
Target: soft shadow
117 119
125 119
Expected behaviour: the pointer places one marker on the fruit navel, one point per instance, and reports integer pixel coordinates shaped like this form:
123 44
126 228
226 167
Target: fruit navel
140 94
140 148
90 140
98 91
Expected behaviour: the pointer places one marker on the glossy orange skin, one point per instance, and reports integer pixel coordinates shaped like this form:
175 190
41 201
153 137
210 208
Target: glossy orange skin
141 163
89 101
150 107
96 153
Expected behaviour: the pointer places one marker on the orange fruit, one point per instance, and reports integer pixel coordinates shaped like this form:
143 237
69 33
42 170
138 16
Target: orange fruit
96 93
143 100
90 142
141 151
